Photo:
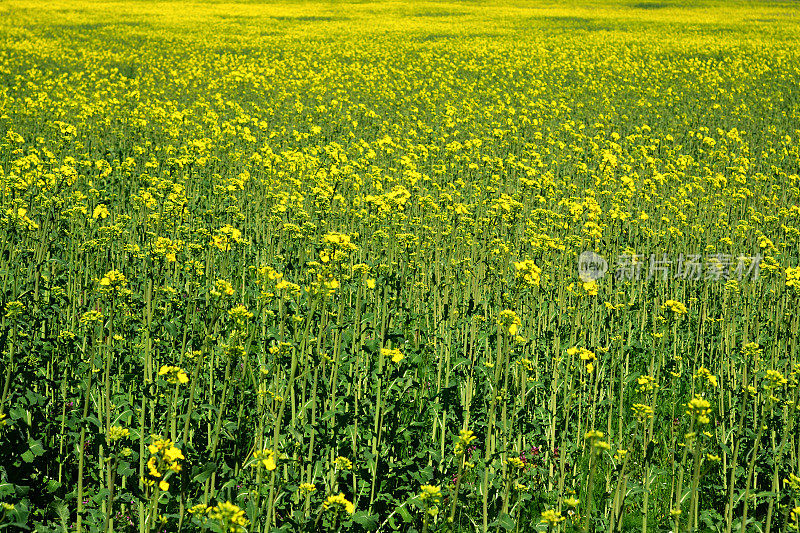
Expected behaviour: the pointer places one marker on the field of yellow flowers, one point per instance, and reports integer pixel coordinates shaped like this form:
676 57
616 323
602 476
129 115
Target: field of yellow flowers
418 266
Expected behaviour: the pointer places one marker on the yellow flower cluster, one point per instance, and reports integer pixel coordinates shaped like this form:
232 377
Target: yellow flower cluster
393 353
100 211
307 488
551 517
595 438
646 383
14 309
240 314
226 237
515 462
337 503
509 322
465 439
591 288
431 496
222 287
793 278
675 307
342 463
793 482
226 516
528 272
642 412
706 375
174 374
587 356
265 458
774 379
116 433
19 218
113 280
164 457
699 409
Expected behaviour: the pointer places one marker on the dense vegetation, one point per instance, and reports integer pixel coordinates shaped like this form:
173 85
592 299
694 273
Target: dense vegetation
314 266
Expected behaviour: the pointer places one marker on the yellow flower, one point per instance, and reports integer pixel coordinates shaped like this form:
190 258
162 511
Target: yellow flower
113 279
117 432
172 454
516 462
593 434
464 440
699 408
338 503
528 272
343 463
509 321
163 456
265 458
591 288
229 516
240 313
774 380
307 488
90 317
14 309
704 373
431 493
793 277
223 287
226 236
174 374
642 412
676 307
551 517
101 211
646 383
793 481
394 353
572 502
594 437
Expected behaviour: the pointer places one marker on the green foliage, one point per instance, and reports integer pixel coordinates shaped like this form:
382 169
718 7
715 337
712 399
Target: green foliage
272 267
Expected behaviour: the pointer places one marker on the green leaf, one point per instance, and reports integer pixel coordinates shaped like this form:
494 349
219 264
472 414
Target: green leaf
205 473
403 512
506 521
365 520
36 447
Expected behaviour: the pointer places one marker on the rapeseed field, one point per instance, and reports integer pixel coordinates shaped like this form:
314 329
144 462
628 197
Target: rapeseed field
399 266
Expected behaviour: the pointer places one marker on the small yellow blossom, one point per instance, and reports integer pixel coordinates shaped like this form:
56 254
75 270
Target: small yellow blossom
174 374
551 517
675 306
338 503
